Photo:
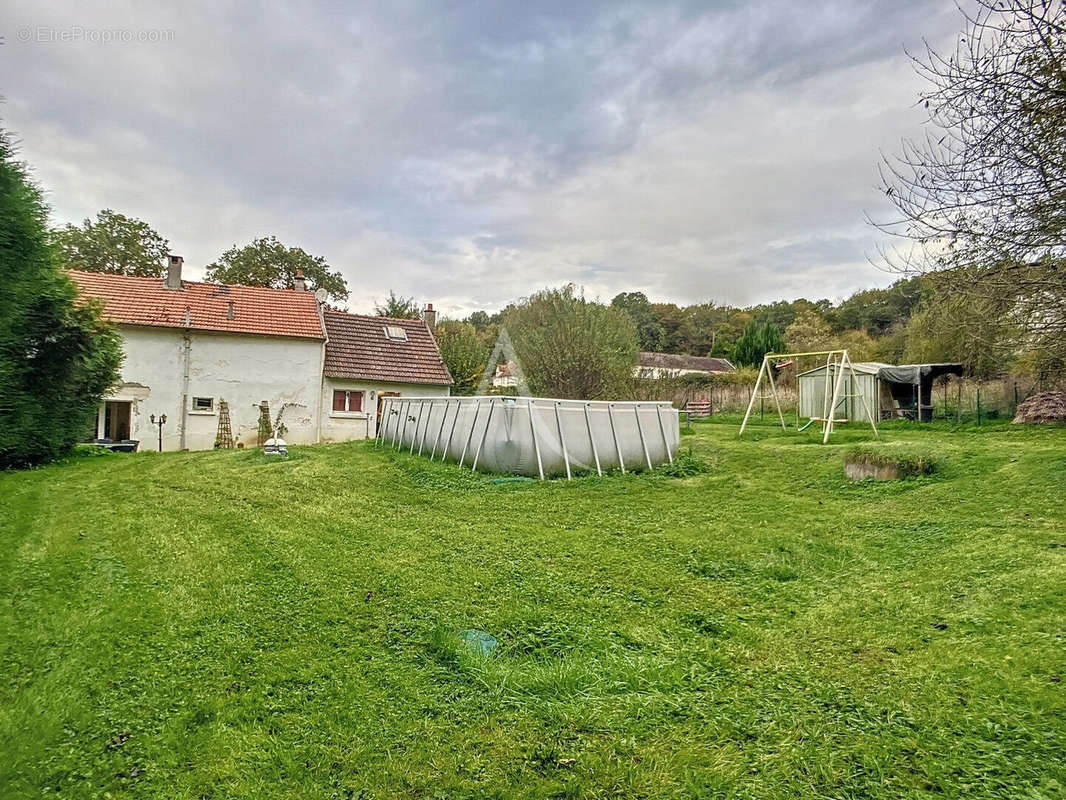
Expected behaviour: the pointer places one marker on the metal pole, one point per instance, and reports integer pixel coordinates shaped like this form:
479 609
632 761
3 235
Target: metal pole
562 440
484 435
614 433
387 414
414 433
836 396
536 444
592 440
751 402
470 436
451 430
425 431
826 413
862 397
401 416
381 428
773 389
643 441
440 430
403 431
662 430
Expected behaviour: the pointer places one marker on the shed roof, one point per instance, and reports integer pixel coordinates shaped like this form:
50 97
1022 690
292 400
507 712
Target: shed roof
358 347
902 373
678 361
129 300
861 367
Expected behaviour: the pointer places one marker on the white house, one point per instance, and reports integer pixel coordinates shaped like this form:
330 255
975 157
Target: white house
505 377
669 365
188 346
371 358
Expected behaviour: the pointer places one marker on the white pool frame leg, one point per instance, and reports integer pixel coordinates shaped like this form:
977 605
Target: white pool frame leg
592 440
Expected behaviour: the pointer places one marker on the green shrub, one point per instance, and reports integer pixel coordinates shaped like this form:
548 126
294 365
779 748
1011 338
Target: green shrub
909 459
57 358
685 465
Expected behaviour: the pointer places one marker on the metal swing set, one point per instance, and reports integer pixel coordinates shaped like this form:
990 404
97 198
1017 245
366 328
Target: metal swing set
838 364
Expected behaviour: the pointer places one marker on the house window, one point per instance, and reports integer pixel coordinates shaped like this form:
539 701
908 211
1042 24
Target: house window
347 401
395 333
203 404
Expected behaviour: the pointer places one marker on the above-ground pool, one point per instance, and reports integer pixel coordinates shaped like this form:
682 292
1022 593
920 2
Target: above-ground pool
533 435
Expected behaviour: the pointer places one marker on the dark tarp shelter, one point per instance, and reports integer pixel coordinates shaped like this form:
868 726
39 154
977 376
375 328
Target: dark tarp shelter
904 390
911 387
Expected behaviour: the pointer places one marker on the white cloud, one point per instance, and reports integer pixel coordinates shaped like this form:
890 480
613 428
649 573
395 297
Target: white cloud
469 156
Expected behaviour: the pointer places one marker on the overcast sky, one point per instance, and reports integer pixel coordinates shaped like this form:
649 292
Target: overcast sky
470 153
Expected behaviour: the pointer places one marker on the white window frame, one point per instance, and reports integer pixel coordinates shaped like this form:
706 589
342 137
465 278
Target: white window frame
205 411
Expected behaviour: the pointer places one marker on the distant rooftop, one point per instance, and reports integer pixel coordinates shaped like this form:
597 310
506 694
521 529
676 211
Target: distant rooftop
676 361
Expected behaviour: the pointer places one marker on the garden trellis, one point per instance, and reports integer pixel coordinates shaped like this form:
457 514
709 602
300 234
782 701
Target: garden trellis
838 365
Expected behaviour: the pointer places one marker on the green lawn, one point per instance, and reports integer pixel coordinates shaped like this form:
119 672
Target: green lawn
202 625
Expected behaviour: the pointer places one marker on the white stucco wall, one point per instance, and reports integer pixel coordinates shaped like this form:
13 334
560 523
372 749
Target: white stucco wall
343 426
242 370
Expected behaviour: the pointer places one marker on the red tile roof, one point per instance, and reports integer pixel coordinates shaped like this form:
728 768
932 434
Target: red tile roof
255 310
357 348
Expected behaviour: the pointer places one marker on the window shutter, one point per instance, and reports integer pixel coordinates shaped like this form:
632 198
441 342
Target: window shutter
355 401
338 400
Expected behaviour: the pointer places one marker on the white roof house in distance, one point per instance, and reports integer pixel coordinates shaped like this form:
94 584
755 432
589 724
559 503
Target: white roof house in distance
371 358
217 359
670 365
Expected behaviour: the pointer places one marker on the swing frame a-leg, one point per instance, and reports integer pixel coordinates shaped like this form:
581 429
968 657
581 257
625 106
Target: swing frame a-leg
836 361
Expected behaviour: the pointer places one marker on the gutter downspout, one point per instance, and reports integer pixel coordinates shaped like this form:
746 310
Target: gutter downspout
186 346
321 373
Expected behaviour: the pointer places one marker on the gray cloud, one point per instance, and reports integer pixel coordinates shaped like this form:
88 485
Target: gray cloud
471 153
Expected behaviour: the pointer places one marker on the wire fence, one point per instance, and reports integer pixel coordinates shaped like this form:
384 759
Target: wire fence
952 398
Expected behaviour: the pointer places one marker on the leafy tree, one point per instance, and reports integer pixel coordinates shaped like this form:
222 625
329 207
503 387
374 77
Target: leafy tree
981 197
115 244
651 335
757 340
672 318
780 313
268 262
807 332
877 310
57 358
980 334
464 353
398 307
484 321
571 347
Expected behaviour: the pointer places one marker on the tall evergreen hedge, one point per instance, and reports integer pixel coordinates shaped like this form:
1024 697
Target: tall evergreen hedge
757 340
57 358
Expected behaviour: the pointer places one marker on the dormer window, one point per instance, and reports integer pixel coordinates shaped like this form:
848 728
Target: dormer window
395 333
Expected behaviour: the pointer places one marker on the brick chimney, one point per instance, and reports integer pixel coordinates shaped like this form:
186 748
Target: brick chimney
300 283
429 316
173 279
